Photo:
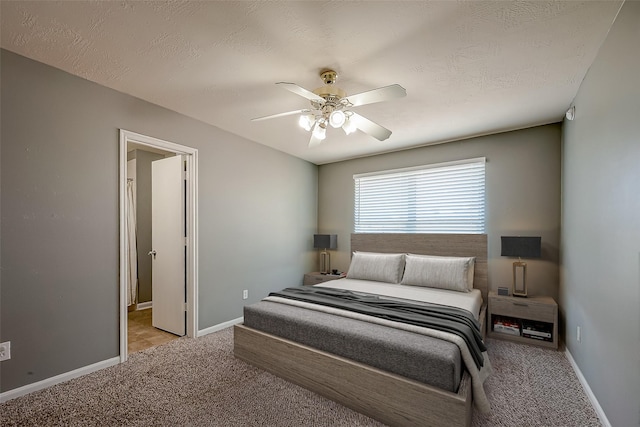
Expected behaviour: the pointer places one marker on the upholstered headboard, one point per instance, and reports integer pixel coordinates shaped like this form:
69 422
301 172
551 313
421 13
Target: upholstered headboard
463 245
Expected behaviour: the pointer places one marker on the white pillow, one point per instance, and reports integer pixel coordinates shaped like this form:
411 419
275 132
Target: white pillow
376 266
452 273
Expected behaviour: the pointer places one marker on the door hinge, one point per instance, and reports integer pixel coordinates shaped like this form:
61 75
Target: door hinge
185 307
186 241
185 175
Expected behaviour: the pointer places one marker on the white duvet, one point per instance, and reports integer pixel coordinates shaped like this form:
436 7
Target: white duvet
470 301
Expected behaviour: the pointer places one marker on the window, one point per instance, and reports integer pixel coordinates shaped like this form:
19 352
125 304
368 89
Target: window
439 198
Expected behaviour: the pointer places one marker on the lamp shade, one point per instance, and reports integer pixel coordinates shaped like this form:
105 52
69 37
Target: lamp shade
349 127
320 131
521 247
337 118
325 241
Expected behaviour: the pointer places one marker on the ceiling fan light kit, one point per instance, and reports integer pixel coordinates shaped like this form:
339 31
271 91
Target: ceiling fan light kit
337 118
349 127
306 121
331 105
320 131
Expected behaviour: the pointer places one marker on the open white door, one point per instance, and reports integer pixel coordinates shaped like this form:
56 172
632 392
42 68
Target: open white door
168 243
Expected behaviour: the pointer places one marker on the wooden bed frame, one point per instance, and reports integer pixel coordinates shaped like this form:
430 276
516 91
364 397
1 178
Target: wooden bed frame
386 397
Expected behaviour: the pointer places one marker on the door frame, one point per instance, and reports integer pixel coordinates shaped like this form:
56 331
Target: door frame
191 157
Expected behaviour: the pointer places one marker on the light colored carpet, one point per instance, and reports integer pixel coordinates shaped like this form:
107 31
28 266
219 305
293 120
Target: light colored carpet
533 387
198 382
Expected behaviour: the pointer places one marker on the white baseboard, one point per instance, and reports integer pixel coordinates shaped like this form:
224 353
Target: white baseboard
30 388
219 327
596 405
144 305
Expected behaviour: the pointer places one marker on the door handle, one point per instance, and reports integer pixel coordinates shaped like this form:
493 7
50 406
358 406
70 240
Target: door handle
152 252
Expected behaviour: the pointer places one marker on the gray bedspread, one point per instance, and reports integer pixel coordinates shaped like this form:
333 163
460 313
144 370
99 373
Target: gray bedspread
435 316
425 359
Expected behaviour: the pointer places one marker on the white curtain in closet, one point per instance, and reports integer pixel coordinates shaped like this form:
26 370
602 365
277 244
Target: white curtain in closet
132 280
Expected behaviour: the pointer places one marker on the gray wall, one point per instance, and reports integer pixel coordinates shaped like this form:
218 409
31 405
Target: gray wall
59 199
522 190
600 288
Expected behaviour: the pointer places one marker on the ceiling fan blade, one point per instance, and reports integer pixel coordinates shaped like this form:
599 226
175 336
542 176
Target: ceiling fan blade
369 127
377 95
302 92
314 141
288 113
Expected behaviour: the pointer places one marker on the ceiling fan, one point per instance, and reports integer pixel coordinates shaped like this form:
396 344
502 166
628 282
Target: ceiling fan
331 106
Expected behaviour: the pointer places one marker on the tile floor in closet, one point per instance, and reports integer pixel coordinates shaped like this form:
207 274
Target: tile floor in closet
142 335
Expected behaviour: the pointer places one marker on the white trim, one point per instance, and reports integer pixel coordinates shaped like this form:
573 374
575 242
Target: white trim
596 405
191 157
124 252
144 305
422 167
219 327
49 382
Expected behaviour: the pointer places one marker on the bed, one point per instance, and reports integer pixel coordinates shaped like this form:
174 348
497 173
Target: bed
293 349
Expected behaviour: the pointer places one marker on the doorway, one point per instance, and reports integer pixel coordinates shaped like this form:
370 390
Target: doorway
189 158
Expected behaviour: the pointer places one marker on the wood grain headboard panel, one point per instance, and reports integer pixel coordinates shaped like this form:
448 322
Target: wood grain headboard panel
431 244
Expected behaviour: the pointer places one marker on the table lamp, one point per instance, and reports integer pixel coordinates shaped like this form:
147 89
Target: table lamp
324 242
521 247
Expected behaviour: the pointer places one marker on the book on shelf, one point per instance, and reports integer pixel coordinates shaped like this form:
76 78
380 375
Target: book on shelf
506 325
536 337
536 333
537 330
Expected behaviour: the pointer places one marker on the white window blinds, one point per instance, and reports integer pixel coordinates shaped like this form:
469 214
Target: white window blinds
440 198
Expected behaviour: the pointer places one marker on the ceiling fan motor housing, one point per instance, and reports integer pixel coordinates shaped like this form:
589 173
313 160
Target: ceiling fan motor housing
329 77
330 93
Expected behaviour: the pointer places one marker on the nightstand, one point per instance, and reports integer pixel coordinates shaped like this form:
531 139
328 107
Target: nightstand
532 320
314 278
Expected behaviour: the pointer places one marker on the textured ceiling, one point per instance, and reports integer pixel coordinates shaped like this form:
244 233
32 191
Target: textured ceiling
469 68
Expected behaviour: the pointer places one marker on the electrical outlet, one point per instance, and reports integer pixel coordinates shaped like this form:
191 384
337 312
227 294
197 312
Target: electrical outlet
245 294
5 351
579 334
